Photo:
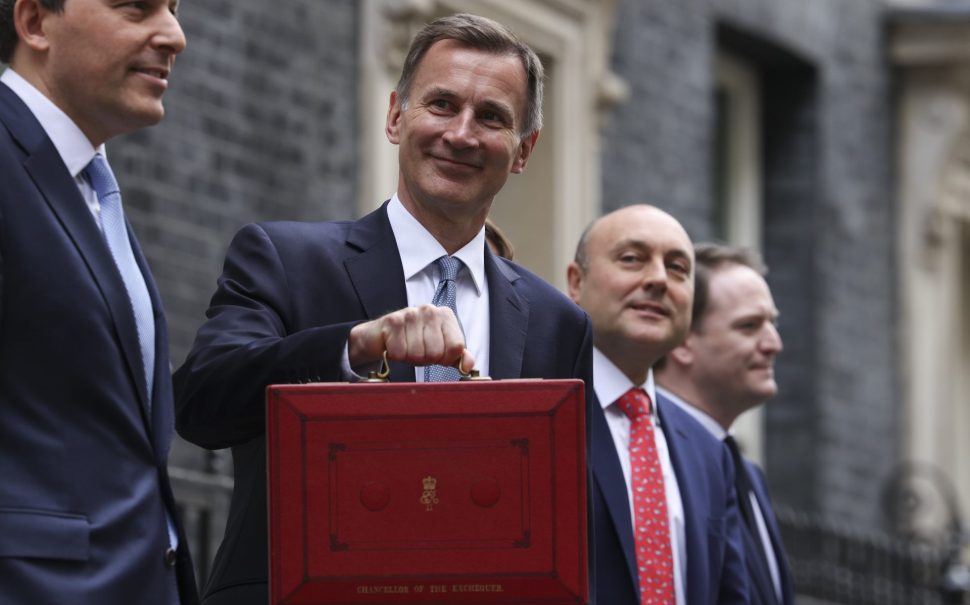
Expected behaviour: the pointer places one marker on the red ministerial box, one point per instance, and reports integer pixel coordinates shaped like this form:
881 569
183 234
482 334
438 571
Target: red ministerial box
469 492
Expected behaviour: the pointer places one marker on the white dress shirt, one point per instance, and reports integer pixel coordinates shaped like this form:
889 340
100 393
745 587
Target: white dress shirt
610 384
419 250
719 433
72 145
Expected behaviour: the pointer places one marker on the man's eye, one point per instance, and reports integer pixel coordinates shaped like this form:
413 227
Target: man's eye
679 268
631 262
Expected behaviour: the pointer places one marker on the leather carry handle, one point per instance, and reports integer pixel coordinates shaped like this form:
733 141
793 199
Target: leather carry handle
383 374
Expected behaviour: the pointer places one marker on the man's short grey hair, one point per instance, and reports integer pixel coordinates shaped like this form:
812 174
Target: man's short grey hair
483 34
711 256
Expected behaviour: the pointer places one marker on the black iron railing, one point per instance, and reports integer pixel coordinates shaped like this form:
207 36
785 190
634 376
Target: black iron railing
838 564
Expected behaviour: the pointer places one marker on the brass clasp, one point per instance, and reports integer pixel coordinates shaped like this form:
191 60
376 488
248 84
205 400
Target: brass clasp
471 374
380 375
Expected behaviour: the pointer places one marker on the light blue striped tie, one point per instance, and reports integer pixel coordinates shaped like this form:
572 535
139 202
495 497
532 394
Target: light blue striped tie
116 235
445 296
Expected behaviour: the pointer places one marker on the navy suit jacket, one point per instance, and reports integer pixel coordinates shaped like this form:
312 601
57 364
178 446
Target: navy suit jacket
705 475
759 578
83 482
285 303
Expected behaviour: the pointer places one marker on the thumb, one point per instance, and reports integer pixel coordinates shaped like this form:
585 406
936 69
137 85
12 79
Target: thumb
465 362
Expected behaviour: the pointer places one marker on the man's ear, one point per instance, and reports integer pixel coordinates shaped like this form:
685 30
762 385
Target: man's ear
392 127
28 19
683 354
574 280
526 145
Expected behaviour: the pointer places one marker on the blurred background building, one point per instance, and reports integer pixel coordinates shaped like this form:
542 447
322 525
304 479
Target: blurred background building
833 135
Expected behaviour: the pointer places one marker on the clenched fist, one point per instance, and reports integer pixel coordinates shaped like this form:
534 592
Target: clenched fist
421 336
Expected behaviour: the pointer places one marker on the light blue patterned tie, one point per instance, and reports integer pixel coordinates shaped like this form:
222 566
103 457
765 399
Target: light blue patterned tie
116 235
445 296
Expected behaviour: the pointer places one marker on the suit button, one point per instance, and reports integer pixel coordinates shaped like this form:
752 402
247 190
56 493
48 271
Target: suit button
170 557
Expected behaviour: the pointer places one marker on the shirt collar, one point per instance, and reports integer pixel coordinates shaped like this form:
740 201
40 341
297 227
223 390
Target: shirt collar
418 248
74 148
706 421
610 383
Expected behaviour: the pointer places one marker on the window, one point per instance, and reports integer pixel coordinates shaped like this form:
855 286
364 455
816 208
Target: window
737 152
737 181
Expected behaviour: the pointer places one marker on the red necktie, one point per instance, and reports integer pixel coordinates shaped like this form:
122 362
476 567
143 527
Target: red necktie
651 529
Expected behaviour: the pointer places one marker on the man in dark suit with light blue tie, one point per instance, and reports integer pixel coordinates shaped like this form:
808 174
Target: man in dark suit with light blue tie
724 368
322 302
87 514
665 517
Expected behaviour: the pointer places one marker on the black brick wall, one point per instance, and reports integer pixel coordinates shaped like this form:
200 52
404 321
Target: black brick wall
832 433
261 124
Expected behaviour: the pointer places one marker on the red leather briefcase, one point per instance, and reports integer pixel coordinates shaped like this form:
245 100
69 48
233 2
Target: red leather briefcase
468 492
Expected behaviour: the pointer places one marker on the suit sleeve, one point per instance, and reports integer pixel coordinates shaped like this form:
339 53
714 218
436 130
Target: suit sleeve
1 267
734 575
584 370
245 345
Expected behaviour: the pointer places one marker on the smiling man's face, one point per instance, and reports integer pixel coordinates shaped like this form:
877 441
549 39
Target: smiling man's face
734 345
637 285
106 63
459 134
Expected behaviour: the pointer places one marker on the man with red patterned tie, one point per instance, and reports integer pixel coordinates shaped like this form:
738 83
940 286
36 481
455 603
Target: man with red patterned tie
666 522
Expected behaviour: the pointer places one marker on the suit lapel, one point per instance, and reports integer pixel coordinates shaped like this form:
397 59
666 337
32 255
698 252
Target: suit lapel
759 576
377 274
612 486
774 533
509 319
686 467
162 421
54 182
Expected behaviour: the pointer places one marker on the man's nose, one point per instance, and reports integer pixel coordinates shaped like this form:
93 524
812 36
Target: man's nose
462 131
655 274
771 341
169 35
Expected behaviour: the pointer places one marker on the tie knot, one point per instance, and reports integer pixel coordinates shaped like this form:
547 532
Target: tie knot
448 266
733 446
635 403
100 176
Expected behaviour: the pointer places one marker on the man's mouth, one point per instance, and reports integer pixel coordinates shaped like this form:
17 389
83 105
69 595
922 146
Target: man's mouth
158 72
650 307
451 161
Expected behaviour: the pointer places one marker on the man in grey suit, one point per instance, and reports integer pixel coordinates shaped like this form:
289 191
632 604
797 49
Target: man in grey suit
87 515
723 368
